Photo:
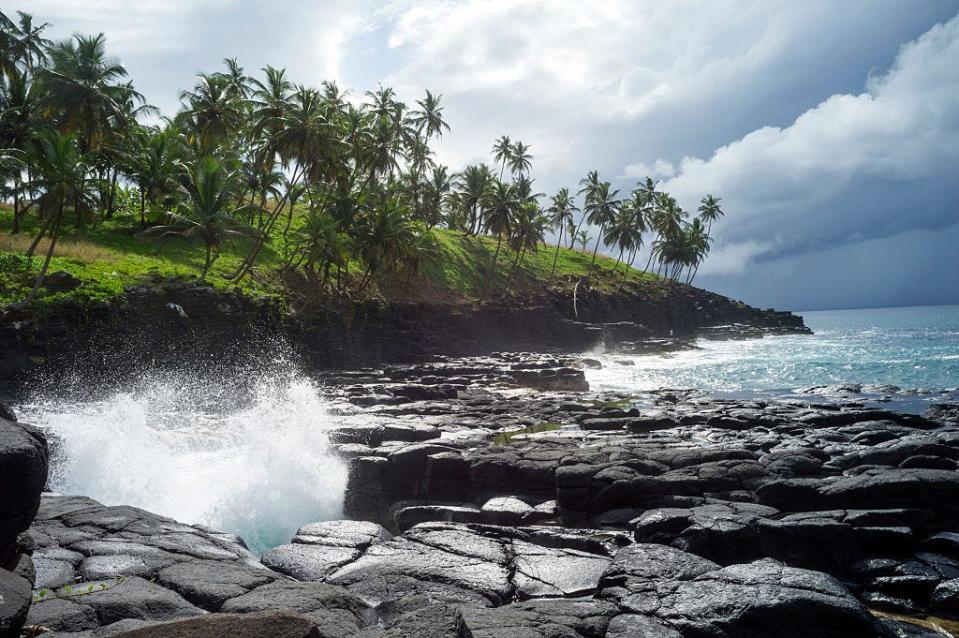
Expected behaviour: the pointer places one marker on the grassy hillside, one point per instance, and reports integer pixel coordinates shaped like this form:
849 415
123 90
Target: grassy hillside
112 256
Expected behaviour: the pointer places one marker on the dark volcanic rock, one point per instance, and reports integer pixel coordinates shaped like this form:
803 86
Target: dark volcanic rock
335 611
763 598
23 475
15 597
265 624
133 597
208 584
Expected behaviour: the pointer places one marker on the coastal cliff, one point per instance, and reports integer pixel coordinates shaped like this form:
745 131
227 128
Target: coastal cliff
171 323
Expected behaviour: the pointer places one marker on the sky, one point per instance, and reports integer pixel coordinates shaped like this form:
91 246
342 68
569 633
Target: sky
829 129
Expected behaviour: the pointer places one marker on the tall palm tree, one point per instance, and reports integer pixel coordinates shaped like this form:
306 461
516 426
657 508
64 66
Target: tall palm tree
473 184
85 90
500 211
213 113
60 173
697 247
625 230
22 42
209 211
521 160
239 82
588 186
529 230
503 153
156 167
560 216
21 117
429 119
600 210
437 190
710 211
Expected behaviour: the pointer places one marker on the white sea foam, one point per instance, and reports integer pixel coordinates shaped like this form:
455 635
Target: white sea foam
240 454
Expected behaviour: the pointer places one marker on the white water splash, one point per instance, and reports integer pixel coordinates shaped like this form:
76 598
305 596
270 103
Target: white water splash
248 457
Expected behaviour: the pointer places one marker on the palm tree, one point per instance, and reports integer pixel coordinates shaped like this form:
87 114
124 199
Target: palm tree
21 117
560 215
294 192
697 247
85 91
23 42
600 209
582 236
709 211
239 82
386 237
209 211
429 119
499 211
473 184
529 229
60 173
156 167
213 113
269 101
503 153
437 190
321 244
588 184
520 160
625 230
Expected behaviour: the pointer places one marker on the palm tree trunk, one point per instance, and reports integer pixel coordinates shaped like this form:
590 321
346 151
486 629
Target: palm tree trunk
16 209
36 240
258 243
599 238
206 264
54 236
111 193
578 226
489 278
559 242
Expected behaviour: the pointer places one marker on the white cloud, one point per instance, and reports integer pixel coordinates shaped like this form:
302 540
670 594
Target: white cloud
659 170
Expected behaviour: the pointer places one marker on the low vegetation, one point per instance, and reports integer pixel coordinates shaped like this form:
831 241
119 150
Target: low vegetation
272 187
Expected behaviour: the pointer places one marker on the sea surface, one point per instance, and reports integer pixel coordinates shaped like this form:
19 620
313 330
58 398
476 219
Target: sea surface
247 451
909 356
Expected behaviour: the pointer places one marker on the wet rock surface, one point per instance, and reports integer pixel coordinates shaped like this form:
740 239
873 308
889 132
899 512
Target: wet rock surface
486 505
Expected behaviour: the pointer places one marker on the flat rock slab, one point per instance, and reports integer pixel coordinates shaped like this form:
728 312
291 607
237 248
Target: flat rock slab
266 624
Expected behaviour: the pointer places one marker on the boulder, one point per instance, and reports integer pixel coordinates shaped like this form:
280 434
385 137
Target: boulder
15 598
23 475
764 598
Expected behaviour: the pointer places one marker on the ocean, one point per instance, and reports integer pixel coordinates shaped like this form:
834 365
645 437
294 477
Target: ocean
906 355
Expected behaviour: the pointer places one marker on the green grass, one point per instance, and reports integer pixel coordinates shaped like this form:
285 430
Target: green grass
111 256
461 264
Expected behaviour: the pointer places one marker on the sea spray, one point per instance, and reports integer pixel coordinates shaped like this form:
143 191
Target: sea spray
243 451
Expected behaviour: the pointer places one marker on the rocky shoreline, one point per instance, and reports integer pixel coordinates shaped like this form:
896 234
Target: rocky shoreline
495 497
167 324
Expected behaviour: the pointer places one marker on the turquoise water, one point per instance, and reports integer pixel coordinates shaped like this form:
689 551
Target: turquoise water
915 349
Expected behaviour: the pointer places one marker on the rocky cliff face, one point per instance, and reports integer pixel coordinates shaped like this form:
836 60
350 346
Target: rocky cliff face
172 323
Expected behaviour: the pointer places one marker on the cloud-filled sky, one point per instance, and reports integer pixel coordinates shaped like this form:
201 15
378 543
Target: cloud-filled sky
830 129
